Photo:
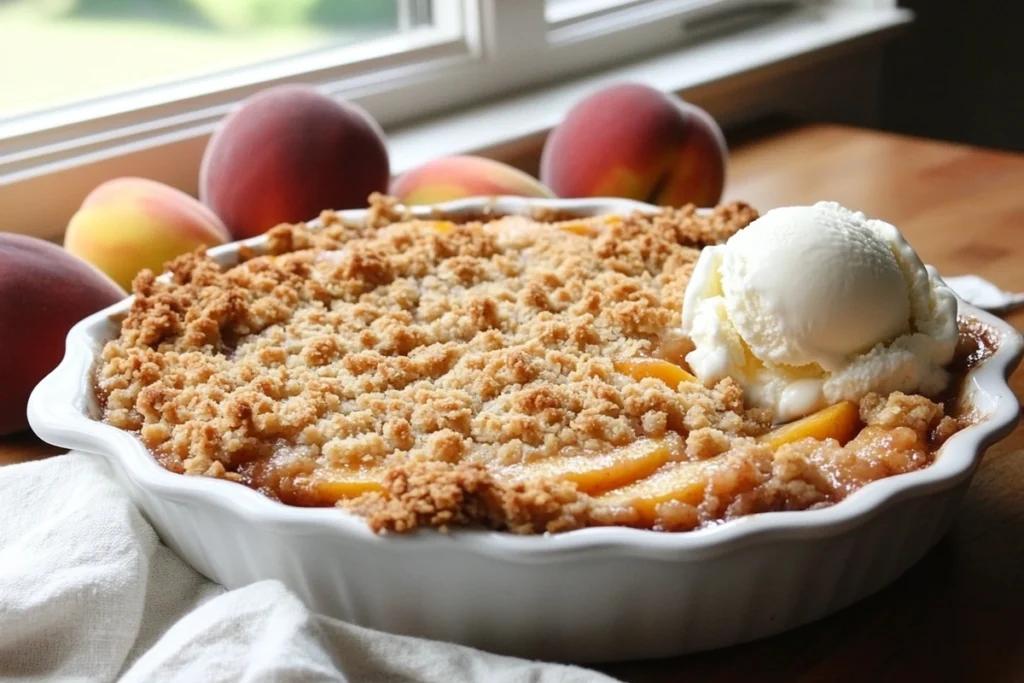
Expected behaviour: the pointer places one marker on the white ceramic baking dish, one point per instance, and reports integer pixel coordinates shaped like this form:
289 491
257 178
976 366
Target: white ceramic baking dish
592 595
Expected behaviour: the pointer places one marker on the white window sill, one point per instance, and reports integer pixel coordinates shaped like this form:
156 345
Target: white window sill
690 71
735 77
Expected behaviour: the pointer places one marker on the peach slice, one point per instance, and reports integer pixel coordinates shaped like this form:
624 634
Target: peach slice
678 481
837 422
441 226
580 228
333 486
669 373
596 473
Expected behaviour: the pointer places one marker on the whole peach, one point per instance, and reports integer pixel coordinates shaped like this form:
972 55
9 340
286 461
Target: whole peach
634 141
128 224
287 154
44 291
457 177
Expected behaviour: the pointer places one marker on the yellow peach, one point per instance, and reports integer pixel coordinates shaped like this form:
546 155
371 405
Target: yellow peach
442 226
838 422
581 228
597 473
677 481
331 487
640 368
464 176
128 224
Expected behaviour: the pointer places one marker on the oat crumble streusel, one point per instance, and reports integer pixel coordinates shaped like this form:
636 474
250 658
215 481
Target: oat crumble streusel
430 357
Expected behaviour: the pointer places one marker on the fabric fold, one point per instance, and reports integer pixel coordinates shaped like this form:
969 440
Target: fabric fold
88 593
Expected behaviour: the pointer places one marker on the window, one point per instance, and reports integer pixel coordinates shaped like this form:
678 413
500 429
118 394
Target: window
90 85
103 47
96 76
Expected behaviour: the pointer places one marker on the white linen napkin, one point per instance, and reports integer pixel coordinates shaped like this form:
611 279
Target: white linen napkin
985 295
88 594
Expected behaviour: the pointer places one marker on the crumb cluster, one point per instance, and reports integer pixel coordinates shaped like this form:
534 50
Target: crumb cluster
739 476
397 366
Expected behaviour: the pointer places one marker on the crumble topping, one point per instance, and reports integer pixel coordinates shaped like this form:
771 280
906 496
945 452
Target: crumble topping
743 476
366 345
401 367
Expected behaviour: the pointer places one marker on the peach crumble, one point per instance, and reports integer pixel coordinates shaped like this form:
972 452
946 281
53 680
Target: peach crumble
516 373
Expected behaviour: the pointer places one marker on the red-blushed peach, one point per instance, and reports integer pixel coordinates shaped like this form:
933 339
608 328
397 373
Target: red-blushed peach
457 177
44 291
128 224
634 141
286 155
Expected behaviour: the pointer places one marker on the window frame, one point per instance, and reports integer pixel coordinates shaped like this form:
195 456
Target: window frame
476 50
53 138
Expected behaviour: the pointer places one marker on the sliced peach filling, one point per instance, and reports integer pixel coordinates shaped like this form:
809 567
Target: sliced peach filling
580 228
641 475
838 422
679 481
588 228
332 486
441 226
686 482
640 368
597 473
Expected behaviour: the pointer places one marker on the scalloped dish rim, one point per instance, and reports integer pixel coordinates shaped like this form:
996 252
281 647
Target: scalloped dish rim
59 405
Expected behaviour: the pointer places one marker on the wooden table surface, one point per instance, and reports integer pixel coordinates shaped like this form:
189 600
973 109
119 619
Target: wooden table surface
959 614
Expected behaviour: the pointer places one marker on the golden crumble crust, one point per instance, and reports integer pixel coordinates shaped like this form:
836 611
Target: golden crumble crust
394 339
442 495
743 476
427 356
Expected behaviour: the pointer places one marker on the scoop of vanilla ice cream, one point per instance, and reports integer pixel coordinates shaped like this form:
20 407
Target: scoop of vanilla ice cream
811 305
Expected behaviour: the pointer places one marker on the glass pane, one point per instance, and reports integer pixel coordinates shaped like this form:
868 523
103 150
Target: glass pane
55 52
557 10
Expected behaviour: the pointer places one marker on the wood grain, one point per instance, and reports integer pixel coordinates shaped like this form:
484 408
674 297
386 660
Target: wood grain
959 614
24 447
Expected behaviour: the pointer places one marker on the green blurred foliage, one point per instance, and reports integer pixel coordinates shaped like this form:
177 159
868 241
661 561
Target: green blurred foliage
242 15
249 14
369 13
176 11
230 15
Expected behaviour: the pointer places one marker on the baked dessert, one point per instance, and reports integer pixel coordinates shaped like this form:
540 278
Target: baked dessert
527 374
